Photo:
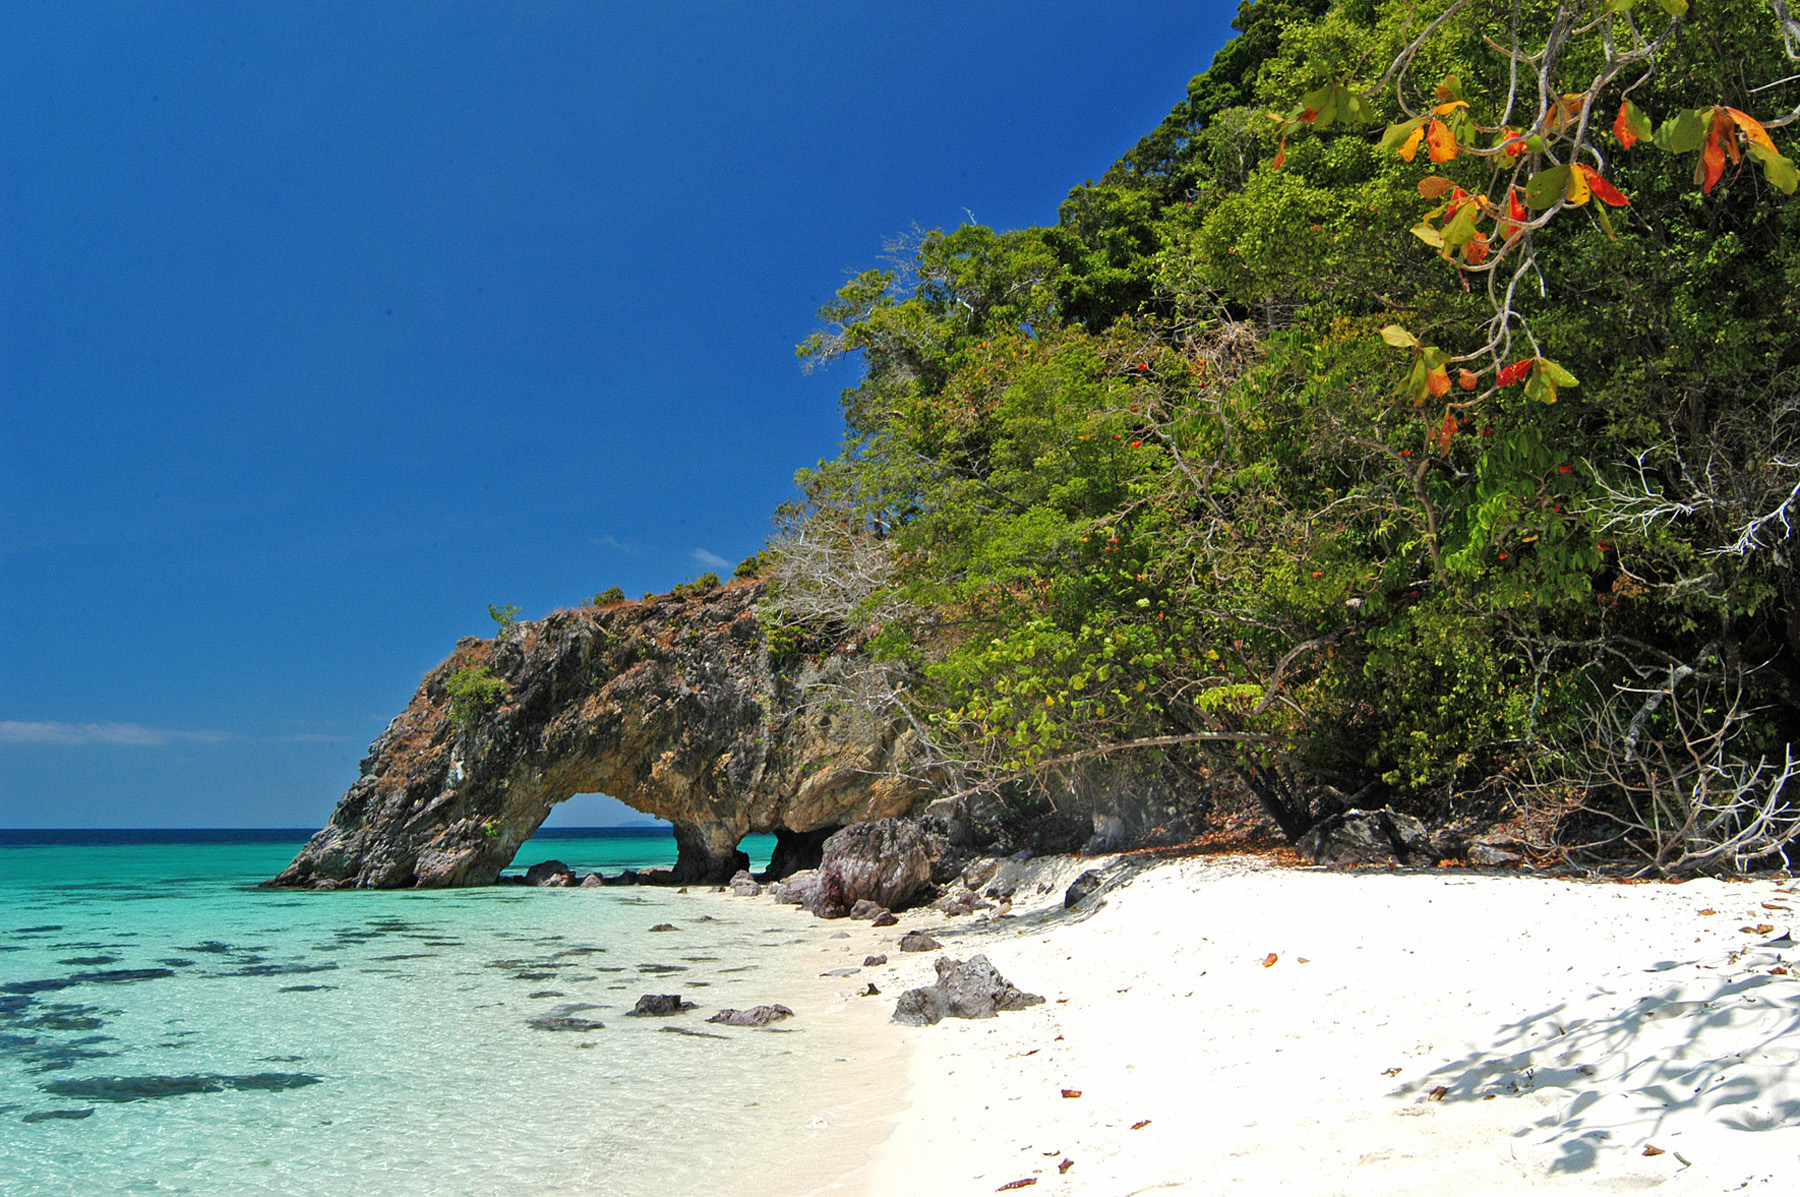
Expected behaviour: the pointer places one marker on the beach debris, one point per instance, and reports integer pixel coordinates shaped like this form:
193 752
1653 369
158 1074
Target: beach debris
1017 1184
1758 929
659 1005
1439 1093
972 989
756 1016
872 961
1269 960
1084 885
1065 1165
871 991
665 927
550 873
1360 837
1071 1093
918 941
1709 910
1140 1125
885 919
1395 1071
1652 1149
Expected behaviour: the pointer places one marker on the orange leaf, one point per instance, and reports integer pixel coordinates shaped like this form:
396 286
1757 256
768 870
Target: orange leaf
1754 133
1140 1125
1445 434
1440 141
1434 186
1071 1093
1475 250
1605 191
1410 146
1622 127
1466 380
1017 1184
1514 145
1280 155
1269 960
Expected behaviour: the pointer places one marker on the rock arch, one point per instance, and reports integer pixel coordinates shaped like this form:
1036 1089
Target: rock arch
670 705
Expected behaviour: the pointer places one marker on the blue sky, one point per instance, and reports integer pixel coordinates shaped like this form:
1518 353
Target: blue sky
325 325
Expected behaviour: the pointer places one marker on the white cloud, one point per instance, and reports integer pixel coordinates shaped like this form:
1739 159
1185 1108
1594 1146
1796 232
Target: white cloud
613 543
712 559
133 734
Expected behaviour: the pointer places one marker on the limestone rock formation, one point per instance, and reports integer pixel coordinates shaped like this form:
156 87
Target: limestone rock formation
671 705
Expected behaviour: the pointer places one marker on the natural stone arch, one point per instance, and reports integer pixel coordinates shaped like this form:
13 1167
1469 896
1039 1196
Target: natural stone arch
669 705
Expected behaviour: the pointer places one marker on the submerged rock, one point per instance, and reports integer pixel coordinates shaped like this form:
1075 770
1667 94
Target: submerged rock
756 1016
659 1005
964 989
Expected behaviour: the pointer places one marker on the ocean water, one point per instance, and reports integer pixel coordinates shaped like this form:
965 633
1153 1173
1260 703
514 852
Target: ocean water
167 1027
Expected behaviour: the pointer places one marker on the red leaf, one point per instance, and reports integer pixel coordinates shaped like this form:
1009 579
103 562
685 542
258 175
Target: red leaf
1605 191
1466 380
1516 373
1310 115
1712 158
1622 127
1071 1093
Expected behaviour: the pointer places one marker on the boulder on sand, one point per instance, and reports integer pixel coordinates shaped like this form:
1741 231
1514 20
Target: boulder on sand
964 989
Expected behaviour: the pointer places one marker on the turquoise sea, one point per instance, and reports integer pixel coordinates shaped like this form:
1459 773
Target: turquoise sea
167 1027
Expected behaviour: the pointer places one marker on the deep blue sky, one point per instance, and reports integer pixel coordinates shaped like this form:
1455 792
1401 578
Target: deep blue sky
325 325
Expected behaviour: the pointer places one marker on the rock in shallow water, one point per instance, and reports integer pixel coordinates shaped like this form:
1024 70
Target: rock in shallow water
971 989
756 1016
659 1005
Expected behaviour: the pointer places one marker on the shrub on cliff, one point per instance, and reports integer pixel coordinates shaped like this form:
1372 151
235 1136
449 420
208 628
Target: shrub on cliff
473 692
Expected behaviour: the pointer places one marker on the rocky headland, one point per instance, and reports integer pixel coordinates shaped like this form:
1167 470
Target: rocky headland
673 705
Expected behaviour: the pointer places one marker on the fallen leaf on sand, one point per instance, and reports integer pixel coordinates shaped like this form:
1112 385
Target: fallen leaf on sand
1301 960
1778 971
1759 929
1709 912
1065 1165
1775 906
1390 1072
1439 1093
1016 1184
1652 1149
1140 1125
1270 959
1071 1093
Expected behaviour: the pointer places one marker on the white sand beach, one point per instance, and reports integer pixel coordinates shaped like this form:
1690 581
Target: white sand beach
1229 1025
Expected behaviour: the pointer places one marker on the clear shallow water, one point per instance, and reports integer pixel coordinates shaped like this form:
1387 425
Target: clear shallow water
166 1027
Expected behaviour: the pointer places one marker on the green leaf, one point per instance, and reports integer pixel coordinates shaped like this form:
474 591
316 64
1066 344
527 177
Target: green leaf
1683 132
1675 8
1428 235
1398 337
1558 375
1781 172
1546 187
1461 227
1396 135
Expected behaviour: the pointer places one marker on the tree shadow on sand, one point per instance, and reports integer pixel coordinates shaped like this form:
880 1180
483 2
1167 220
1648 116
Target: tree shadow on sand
1712 1043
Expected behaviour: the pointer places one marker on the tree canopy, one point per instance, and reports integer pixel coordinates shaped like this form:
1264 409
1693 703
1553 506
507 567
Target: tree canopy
1410 417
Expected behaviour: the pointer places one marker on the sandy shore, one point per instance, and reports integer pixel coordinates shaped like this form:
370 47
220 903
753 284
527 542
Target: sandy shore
1232 1026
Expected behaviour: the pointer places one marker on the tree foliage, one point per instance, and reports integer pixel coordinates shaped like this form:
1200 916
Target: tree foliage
1423 384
